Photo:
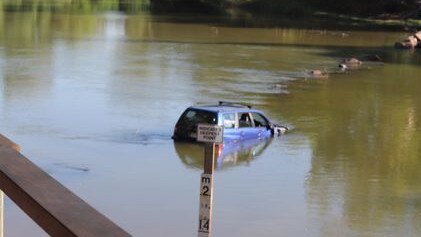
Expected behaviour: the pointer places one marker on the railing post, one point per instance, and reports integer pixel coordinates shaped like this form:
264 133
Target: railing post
4 142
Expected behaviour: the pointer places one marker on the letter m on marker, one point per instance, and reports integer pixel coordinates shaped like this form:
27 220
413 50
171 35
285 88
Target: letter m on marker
205 180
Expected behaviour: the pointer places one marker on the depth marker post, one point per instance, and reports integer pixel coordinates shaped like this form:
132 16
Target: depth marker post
211 135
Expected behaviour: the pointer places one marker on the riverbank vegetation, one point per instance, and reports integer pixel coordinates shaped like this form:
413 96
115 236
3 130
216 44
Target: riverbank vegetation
366 8
356 13
75 5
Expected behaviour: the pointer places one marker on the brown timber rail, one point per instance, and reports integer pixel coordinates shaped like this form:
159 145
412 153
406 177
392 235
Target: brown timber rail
51 205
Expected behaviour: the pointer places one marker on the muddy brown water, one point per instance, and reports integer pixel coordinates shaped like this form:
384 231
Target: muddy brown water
93 98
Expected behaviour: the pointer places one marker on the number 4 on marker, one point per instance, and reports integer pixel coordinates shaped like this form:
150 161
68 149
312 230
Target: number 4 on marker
204 225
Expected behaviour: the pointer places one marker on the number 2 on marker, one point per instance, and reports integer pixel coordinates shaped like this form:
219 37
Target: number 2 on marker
205 191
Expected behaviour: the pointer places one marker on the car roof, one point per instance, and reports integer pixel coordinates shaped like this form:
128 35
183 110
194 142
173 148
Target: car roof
224 108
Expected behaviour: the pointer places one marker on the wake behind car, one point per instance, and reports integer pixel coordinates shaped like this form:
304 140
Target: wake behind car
240 122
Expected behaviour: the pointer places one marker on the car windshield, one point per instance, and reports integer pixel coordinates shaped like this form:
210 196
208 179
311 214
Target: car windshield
194 117
259 120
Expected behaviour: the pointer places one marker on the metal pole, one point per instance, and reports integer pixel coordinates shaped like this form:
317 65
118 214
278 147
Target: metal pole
209 162
206 191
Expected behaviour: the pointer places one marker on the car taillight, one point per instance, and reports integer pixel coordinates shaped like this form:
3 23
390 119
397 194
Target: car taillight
220 148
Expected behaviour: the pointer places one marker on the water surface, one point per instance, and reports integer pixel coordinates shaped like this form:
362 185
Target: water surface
93 98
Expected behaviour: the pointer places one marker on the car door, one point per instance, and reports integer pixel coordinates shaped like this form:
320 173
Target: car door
261 124
231 133
245 126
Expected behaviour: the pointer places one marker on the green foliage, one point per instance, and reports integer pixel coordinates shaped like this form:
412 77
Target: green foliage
194 6
133 5
274 7
286 7
305 7
74 5
364 7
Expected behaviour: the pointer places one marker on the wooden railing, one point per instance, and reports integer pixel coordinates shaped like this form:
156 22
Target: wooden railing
51 205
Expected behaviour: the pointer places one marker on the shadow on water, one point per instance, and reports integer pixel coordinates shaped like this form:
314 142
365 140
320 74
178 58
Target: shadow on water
64 167
388 55
140 138
229 155
127 137
320 21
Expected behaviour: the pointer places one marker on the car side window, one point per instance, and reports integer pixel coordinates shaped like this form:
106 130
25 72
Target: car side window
244 120
259 120
229 120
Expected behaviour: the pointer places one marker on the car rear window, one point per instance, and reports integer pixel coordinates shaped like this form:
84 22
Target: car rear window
194 117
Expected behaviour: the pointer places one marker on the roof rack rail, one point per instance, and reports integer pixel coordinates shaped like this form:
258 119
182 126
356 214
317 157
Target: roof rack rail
227 103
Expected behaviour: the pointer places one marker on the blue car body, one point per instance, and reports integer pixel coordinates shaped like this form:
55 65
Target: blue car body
240 122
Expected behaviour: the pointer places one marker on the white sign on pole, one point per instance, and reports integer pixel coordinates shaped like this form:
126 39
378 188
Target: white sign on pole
210 133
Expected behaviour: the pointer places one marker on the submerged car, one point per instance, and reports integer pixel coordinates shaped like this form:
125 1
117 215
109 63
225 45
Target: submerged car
240 122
